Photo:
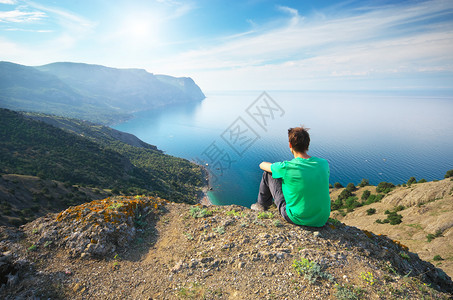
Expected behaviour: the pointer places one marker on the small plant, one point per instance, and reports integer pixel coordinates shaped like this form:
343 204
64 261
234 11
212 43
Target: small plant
235 213
277 223
196 291
399 208
188 236
334 222
431 236
311 270
368 277
32 247
371 211
405 255
265 215
47 244
348 292
219 229
115 206
197 212
437 258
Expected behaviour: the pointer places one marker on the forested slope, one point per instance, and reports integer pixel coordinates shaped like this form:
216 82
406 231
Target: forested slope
31 147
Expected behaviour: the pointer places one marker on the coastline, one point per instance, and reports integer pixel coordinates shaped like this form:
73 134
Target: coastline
203 197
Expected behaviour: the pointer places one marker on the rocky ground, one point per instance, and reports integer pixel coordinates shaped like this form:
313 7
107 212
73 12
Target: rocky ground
146 248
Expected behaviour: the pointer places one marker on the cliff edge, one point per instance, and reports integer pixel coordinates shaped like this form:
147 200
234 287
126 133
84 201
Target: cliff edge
148 248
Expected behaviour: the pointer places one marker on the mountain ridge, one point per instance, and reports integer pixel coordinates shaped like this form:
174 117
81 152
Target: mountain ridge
92 92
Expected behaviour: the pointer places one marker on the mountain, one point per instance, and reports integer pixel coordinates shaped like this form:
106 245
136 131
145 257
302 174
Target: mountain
83 155
92 92
148 248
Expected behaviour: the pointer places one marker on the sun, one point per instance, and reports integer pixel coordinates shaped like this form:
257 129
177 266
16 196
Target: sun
138 27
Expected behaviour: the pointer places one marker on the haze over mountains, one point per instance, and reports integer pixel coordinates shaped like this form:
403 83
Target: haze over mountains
91 92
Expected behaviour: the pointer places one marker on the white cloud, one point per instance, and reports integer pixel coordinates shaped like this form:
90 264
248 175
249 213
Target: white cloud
17 16
68 20
385 40
7 2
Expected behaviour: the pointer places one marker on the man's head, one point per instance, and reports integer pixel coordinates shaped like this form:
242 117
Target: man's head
299 139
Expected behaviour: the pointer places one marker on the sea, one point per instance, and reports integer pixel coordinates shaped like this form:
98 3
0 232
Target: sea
379 136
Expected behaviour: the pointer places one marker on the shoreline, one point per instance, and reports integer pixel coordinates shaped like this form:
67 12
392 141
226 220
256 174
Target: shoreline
203 197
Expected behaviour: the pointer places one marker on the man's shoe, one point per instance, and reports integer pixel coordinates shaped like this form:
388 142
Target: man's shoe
257 207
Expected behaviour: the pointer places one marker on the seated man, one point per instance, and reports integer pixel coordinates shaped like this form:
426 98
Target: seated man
299 187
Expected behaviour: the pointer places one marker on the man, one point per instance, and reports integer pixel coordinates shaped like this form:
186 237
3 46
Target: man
299 187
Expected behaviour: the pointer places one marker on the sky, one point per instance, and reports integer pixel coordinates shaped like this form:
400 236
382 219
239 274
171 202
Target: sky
243 45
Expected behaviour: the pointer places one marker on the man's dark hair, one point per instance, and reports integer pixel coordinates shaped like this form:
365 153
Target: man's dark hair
299 139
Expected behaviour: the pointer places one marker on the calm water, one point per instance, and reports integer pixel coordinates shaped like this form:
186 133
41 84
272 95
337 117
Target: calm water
378 136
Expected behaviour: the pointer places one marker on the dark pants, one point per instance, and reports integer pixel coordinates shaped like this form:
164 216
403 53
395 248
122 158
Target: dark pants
272 188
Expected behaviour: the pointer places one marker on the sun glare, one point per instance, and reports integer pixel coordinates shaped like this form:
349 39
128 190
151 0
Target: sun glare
141 28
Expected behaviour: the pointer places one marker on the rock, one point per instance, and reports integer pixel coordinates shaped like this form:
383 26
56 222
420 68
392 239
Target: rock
178 267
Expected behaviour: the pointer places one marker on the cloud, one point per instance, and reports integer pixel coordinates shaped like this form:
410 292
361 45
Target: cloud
66 19
17 16
359 43
7 2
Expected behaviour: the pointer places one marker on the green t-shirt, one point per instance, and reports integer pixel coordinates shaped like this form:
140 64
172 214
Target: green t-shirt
305 185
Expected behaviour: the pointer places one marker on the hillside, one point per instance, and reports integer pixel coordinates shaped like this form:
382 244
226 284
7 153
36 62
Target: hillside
147 248
24 198
88 155
91 92
427 218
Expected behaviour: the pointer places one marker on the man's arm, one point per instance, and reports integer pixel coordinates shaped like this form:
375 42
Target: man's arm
266 166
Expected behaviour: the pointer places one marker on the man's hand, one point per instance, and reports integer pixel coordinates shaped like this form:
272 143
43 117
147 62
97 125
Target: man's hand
266 166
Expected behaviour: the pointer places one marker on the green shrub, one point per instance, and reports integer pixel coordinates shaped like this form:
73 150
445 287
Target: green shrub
197 212
423 180
371 211
449 174
348 292
345 194
431 236
365 195
351 187
399 208
337 204
330 186
265 215
364 182
411 181
384 187
337 185
352 203
394 218
310 270
437 258
374 198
